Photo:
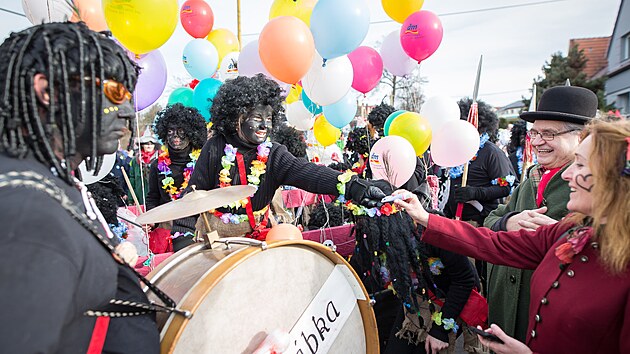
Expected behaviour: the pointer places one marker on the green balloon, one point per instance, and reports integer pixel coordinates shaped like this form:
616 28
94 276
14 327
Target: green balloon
390 119
183 95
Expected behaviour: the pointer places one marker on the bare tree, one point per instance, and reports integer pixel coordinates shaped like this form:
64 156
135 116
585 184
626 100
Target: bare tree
405 92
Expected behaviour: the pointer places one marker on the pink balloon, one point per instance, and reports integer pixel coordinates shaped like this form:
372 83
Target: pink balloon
421 34
455 143
367 67
395 60
249 64
393 158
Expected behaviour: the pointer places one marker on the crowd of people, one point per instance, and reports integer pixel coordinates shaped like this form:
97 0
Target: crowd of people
549 244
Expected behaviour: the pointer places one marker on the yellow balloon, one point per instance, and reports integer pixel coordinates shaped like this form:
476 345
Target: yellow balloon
294 94
301 9
325 133
224 40
415 128
141 25
399 10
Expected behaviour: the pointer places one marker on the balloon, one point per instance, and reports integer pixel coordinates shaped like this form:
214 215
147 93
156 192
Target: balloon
301 9
88 177
299 117
413 127
367 68
395 60
399 10
90 12
439 110
282 232
141 25
204 94
421 35
249 63
342 112
286 48
197 18
229 66
183 95
327 84
295 92
324 132
310 105
200 59
389 121
455 143
393 158
45 11
339 26
225 41
151 81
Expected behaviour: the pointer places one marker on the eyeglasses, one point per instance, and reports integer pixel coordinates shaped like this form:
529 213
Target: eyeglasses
547 136
114 91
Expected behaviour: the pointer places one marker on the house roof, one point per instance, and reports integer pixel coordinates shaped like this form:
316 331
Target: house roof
515 104
595 50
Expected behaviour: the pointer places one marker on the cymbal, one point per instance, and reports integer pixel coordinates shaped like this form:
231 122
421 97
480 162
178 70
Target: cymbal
195 202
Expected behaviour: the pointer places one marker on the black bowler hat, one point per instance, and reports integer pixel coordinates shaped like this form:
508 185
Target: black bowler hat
565 103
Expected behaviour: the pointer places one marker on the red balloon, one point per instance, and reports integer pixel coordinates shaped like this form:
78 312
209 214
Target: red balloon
193 83
367 66
421 35
197 18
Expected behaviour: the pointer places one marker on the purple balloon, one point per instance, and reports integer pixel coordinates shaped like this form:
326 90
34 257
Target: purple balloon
151 81
395 60
249 63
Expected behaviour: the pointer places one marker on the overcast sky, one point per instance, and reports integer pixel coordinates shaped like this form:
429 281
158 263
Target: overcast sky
515 40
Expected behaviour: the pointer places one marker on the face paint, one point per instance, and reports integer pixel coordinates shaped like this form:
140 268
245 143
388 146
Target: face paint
580 180
176 138
255 126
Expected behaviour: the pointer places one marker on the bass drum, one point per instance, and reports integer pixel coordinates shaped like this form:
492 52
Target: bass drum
238 294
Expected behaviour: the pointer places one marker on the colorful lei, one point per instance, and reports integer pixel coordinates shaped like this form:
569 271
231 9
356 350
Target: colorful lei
386 209
504 181
229 218
447 323
120 230
168 183
435 265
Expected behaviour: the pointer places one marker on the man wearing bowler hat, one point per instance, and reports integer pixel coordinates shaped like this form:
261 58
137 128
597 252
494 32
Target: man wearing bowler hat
539 200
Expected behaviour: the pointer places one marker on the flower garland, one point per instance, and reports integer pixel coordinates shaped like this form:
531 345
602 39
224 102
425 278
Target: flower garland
447 323
504 181
120 230
168 183
386 209
577 239
457 171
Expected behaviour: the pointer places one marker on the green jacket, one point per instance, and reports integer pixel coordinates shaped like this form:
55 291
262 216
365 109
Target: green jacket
136 180
508 288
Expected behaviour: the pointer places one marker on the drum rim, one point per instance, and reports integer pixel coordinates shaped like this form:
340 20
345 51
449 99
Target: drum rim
195 296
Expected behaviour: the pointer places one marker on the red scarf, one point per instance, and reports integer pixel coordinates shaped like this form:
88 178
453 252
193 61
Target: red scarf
543 184
147 157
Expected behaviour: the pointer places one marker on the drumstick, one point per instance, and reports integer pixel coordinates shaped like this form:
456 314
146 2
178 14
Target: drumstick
133 193
204 234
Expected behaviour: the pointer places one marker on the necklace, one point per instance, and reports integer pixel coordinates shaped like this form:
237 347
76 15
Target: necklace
168 183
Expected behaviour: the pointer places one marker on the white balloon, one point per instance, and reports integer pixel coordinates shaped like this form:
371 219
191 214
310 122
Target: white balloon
395 60
229 66
299 117
439 110
88 177
454 144
45 11
328 84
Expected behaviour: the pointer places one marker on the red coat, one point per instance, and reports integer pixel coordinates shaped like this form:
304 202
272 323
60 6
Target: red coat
581 308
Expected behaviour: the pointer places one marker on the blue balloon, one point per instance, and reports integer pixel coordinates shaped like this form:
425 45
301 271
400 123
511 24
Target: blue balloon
341 112
310 105
339 26
200 59
204 94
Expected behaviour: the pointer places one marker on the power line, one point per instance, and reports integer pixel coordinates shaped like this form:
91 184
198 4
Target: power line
12 12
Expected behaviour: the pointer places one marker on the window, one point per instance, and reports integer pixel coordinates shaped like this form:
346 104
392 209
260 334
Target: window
625 47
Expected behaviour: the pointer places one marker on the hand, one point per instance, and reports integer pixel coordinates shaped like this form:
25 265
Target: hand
509 346
529 220
464 194
433 345
365 192
413 207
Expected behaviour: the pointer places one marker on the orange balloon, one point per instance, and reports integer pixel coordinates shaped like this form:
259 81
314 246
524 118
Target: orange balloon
90 12
282 232
286 48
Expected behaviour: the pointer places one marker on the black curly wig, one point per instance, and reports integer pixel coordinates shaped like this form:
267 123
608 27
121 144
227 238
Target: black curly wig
340 166
518 135
107 194
187 118
324 212
378 116
359 141
238 97
292 138
488 120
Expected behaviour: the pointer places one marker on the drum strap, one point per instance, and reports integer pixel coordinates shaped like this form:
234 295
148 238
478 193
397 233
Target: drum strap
40 183
257 233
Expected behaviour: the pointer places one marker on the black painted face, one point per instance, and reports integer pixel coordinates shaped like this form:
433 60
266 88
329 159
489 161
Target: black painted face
255 127
177 139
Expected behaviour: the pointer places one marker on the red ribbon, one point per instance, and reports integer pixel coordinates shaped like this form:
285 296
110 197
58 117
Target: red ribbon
259 233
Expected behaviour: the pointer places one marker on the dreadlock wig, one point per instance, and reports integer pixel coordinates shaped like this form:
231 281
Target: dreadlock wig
358 141
107 193
72 58
239 97
518 135
187 118
488 120
326 215
378 116
292 138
